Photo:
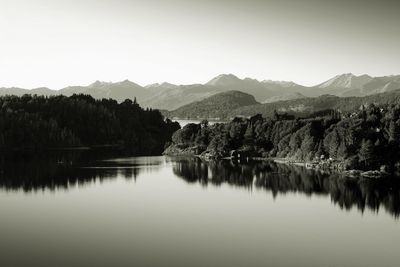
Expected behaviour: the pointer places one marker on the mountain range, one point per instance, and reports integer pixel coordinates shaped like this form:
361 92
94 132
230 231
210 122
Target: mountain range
227 105
169 96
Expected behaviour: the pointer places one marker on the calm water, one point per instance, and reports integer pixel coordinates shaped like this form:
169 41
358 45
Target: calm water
85 210
186 122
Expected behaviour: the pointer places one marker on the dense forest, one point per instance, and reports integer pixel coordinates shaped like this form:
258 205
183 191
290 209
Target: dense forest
367 139
39 122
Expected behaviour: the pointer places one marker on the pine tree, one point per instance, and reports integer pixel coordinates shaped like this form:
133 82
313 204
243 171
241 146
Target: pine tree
249 135
394 132
366 152
276 115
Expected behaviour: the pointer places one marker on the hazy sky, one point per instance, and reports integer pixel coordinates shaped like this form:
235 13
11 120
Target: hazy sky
56 43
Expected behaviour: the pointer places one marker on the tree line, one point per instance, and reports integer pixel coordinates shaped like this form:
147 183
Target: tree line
32 122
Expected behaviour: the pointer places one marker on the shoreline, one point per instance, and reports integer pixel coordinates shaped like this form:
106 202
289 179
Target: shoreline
353 173
320 166
65 148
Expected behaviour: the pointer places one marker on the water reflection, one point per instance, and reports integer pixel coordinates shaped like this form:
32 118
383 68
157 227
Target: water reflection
65 170
280 179
68 169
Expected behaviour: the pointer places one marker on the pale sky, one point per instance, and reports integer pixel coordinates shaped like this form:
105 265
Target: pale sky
56 43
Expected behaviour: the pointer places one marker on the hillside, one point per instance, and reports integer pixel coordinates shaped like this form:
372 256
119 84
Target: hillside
284 97
214 107
307 106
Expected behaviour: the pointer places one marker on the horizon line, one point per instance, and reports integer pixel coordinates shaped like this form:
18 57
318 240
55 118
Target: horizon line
222 74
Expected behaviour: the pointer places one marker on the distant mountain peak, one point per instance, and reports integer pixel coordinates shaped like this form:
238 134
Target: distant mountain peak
224 80
162 85
124 83
98 84
346 80
281 83
167 84
127 83
250 79
349 74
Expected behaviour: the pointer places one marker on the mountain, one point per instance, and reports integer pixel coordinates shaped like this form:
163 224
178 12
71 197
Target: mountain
281 83
260 90
346 81
214 107
305 106
351 85
20 91
284 97
170 96
163 85
225 80
118 91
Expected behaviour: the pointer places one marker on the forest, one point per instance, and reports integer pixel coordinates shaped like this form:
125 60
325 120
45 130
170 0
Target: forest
367 139
38 122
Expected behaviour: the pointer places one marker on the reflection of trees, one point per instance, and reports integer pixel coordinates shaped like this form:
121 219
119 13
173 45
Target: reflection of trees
63 170
58 170
218 172
280 179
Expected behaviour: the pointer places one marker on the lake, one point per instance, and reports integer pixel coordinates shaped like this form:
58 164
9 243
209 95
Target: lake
94 209
183 123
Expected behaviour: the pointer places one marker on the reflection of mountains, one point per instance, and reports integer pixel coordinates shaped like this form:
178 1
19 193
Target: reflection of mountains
279 179
63 170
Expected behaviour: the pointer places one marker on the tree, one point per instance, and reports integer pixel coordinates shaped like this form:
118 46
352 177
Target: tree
276 115
204 123
249 135
331 143
366 152
394 132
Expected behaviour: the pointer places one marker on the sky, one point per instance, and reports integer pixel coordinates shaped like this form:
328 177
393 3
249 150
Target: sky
57 43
